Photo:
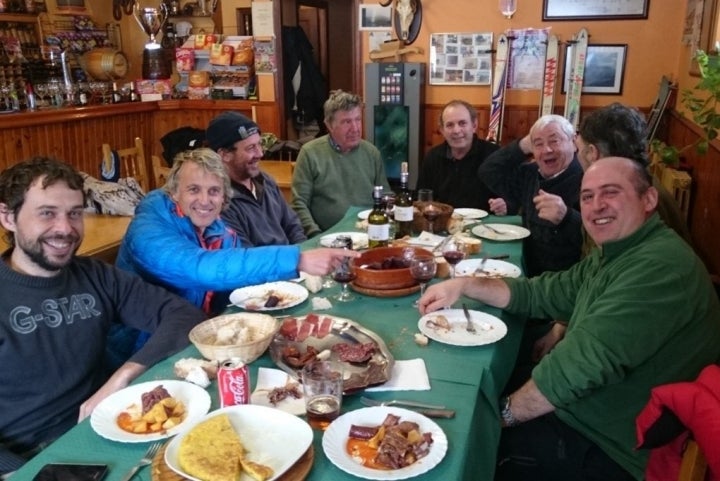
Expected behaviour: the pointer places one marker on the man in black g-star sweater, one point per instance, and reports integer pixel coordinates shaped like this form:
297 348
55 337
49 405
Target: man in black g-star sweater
56 311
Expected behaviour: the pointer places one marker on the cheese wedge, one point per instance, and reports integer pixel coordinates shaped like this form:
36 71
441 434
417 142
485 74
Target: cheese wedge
212 451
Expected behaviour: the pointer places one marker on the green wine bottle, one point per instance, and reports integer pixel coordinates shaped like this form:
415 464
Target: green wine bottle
403 206
378 221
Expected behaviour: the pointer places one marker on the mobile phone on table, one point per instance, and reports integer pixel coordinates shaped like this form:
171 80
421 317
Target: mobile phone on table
71 472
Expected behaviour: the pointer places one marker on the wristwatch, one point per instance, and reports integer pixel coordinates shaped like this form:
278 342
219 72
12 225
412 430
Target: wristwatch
506 414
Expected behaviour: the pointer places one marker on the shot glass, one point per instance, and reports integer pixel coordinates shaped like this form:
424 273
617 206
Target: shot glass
323 388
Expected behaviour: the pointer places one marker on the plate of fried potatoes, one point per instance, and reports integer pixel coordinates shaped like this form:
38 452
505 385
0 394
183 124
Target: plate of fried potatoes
119 417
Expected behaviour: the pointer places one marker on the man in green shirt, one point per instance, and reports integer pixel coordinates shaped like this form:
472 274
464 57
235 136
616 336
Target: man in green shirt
337 170
642 312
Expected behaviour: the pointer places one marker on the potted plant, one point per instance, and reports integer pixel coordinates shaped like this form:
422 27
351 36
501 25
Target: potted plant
702 102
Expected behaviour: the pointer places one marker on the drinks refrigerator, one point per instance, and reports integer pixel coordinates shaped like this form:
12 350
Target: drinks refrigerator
394 97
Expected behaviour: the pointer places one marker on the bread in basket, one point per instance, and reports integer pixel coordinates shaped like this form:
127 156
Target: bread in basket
245 335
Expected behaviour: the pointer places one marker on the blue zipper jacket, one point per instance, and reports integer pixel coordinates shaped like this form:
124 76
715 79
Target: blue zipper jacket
162 246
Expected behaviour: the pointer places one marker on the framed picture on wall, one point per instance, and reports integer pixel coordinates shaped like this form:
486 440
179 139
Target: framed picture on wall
375 17
70 5
461 58
604 69
594 9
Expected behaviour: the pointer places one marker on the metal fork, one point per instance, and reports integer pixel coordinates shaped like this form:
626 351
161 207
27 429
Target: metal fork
396 402
145 461
498 232
481 267
469 326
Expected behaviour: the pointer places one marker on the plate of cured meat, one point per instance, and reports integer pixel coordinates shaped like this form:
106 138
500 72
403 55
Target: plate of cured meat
300 340
410 444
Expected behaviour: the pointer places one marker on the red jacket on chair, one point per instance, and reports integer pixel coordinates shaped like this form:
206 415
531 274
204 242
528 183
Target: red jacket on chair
673 412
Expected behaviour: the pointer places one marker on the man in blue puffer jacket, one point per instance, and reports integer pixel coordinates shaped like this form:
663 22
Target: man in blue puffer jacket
177 240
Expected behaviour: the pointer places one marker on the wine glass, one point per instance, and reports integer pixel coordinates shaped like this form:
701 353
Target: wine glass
423 269
453 251
431 212
344 274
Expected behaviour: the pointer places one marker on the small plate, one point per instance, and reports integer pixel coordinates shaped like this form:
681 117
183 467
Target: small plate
360 239
493 269
263 431
509 232
104 417
489 328
253 298
336 436
467 213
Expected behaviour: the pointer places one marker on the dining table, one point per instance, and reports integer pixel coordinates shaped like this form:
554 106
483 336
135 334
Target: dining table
467 379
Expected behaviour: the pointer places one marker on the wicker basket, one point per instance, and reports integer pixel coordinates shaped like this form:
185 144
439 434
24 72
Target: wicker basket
260 329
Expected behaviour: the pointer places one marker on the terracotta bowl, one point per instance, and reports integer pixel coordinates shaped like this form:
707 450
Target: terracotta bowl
439 225
385 278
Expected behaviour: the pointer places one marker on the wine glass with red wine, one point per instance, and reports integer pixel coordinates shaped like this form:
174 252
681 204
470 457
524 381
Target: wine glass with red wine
423 269
344 274
453 251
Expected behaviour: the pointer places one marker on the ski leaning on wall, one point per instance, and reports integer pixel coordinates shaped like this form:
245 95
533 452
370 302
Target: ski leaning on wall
551 67
497 102
575 80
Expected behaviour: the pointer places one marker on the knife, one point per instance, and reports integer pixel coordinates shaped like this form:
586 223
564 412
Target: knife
436 413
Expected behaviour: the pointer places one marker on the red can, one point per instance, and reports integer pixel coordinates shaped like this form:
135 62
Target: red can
233 383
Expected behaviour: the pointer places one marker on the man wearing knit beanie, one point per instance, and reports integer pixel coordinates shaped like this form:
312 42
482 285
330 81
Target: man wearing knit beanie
258 211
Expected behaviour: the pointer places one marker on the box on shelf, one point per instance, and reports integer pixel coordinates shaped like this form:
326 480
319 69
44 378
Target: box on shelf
221 54
185 59
151 90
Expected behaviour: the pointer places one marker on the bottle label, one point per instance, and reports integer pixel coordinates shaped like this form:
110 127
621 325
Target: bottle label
403 214
379 232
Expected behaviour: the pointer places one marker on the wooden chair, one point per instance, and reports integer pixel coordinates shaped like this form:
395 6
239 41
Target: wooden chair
160 171
282 172
694 464
132 162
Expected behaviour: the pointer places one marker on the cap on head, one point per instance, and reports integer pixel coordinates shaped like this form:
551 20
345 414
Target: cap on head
228 128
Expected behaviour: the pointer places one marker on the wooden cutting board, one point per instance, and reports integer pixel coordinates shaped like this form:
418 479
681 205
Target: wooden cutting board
297 472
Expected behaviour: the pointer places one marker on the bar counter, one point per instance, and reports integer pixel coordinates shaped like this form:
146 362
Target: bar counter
76 134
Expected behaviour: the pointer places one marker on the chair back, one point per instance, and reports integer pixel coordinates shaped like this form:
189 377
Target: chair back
282 172
132 162
694 464
160 171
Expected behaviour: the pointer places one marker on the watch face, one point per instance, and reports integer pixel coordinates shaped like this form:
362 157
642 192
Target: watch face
120 65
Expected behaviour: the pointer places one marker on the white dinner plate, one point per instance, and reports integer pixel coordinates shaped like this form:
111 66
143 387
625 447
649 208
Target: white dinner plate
359 239
253 298
270 437
468 213
506 232
493 268
104 417
364 214
336 436
489 328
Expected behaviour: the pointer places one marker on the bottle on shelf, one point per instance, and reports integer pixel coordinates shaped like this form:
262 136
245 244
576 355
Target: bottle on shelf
31 101
378 222
403 206
83 96
116 95
134 95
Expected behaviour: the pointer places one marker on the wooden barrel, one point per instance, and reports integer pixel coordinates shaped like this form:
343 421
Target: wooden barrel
105 64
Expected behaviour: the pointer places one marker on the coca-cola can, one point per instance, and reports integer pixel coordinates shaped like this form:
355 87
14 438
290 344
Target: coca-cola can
233 380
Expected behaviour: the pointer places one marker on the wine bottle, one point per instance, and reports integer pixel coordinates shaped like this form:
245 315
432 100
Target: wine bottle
378 222
134 96
403 206
116 96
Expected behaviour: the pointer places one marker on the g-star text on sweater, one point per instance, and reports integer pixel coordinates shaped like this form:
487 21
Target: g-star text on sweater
54 313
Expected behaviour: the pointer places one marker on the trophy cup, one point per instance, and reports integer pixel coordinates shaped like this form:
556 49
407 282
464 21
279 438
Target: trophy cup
155 64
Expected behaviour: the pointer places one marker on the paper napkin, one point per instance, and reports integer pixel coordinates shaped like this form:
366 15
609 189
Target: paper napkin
267 379
410 375
426 239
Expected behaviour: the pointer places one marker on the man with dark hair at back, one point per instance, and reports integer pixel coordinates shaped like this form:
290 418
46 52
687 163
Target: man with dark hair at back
57 309
617 130
450 169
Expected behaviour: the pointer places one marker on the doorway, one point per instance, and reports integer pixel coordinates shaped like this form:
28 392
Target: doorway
334 23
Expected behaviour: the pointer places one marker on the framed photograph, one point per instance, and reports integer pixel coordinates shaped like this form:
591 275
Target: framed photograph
70 5
604 69
460 58
595 9
375 17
